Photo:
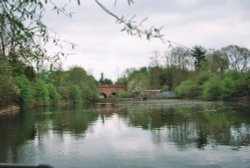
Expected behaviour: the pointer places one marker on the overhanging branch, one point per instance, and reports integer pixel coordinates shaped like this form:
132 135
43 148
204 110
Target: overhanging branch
133 28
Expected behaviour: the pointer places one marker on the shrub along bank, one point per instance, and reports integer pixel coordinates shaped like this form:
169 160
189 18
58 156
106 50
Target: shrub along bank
232 85
202 73
46 88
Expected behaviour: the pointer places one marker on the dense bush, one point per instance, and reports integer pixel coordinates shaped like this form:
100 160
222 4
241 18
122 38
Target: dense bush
124 94
203 77
89 90
64 92
247 84
51 87
25 90
81 83
188 88
8 89
212 88
41 93
54 96
75 93
229 84
235 84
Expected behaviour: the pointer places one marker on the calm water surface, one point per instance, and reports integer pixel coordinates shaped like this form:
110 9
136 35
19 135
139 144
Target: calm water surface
150 134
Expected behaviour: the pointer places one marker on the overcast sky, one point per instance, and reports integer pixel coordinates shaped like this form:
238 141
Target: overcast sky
102 47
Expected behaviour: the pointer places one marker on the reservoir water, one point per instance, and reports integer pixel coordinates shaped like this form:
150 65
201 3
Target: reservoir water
136 134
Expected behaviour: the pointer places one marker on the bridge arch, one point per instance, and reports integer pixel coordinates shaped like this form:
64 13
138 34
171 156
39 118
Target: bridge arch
109 90
113 94
103 95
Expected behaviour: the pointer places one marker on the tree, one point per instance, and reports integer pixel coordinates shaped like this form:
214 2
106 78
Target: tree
23 34
166 79
138 80
179 57
103 80
77 74
155 59
82 86
21 28
25 91
7 86
122 80
188 88
212 88
237 57
41 92
199 54
154 77
177 63
217 63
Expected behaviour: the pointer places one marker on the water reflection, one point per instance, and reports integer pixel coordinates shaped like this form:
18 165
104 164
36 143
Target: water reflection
194 124
18 129
97 128
107 110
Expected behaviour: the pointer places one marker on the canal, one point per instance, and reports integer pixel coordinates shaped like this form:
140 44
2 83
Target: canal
136 134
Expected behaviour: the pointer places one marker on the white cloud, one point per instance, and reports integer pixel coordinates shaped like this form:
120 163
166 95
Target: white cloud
103 48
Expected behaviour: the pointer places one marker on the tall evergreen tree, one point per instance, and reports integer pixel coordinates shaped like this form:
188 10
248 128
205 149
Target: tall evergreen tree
199 54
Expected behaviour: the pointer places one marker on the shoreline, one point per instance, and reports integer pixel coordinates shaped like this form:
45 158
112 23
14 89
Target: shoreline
233 100
10 109
16 108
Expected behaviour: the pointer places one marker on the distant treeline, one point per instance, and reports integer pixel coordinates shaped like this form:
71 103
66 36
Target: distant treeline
23 86
194 73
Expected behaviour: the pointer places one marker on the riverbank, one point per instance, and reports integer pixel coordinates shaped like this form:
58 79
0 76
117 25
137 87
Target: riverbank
17 108
114 100
241 100
10 108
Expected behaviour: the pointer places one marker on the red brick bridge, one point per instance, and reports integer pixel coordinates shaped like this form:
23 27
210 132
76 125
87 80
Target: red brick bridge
109 90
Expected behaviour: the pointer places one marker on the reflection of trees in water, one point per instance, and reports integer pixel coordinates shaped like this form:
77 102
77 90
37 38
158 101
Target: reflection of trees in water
28 125
200 125
240 136
35 123
74 120
15 130
184 125
107 110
